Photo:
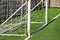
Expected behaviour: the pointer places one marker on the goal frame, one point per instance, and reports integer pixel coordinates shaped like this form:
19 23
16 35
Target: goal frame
28 22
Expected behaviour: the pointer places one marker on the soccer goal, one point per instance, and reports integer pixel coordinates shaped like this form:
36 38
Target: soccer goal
20 21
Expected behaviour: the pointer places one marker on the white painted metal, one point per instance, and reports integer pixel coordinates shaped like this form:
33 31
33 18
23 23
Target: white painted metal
27 38
36 22
46 14
56 16
28 24
12 35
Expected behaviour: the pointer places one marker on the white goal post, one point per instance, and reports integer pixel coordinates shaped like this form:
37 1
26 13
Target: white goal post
46 11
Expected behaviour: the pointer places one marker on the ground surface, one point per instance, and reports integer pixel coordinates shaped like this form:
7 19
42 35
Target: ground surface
51 32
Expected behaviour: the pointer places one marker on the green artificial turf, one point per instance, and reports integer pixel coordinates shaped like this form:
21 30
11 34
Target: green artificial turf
51 32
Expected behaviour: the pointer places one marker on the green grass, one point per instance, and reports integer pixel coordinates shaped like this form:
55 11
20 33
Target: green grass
51 32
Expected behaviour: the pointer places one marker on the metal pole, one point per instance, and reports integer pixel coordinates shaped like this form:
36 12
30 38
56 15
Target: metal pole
46 14
28 24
